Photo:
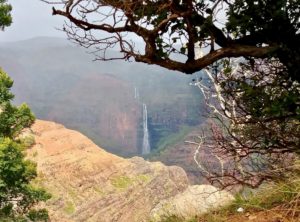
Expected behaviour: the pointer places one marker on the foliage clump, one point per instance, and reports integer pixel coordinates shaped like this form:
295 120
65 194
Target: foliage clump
122 182
174 31
17 195
5 16
255 129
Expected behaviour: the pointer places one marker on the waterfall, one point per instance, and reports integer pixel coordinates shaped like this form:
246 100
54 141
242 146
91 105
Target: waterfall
136 93
146 144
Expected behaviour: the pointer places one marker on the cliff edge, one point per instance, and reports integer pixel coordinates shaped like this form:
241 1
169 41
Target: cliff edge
90 184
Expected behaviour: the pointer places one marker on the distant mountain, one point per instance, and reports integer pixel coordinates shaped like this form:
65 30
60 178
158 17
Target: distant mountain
61 82
36 43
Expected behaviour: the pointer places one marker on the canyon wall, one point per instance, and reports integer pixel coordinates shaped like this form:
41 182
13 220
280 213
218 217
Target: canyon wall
90 184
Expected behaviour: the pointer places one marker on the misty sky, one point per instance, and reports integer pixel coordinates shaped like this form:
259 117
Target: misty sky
31 18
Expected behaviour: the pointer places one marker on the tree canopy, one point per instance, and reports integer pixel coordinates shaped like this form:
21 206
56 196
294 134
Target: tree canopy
17 195
256 135
12 119
5 16
173 31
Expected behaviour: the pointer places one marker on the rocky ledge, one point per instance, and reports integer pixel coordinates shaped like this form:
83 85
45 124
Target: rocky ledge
90 184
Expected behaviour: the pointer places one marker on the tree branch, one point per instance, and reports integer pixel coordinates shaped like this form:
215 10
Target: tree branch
194 66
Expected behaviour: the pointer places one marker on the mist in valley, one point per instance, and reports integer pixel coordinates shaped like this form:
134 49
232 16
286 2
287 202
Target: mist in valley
103 100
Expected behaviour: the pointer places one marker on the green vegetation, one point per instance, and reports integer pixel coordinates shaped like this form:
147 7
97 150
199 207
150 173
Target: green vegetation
122 182
17 195
267 197
5 16
99 191
12 119
143 178
28 141
38 215
69 208
173 106
73 194
170 140
283 196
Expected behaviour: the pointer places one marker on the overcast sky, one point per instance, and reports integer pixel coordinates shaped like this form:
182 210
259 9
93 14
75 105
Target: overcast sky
31 18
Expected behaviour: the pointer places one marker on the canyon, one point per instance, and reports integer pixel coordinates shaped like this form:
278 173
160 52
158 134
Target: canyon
103 100
89 184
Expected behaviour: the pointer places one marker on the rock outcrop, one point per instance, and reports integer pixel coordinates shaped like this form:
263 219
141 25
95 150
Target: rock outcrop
194 201
90 184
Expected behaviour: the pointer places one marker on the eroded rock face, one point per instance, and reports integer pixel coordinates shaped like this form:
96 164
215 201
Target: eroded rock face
90 184
194 201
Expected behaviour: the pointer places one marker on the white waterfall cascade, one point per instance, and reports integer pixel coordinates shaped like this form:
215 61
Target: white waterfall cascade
146 144
136 93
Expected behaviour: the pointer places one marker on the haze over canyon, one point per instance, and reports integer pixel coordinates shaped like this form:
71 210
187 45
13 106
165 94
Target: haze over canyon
103 100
